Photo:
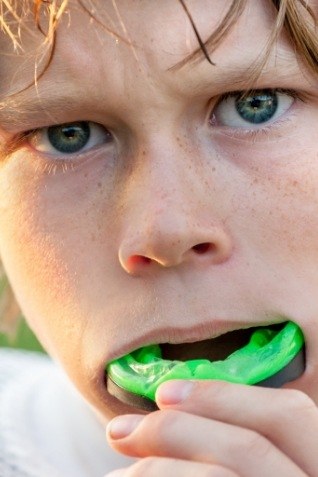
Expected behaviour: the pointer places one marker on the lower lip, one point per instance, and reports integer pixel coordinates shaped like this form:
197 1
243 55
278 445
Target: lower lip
270 359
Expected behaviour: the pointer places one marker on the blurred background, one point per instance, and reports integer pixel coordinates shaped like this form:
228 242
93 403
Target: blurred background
21 336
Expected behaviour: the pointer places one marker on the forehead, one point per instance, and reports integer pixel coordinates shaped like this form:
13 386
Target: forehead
153 31
137 23
120 41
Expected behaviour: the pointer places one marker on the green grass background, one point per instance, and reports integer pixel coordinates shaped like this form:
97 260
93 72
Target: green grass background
23 338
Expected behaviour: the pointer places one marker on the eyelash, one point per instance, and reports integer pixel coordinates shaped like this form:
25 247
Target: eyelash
46 166
256 132
64 165
289 92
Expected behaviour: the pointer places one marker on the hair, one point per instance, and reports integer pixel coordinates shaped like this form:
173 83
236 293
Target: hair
296 17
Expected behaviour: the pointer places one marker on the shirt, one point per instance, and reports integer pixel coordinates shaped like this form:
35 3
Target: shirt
46 428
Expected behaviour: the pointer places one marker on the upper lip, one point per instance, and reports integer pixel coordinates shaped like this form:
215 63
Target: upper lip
177 335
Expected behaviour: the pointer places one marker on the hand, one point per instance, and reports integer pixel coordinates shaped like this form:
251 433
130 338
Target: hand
218 429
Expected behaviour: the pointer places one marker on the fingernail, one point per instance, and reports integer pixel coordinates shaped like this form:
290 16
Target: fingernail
174 392
122 426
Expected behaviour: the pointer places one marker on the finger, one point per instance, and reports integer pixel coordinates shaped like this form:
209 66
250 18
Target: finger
159 467
287 417
181 435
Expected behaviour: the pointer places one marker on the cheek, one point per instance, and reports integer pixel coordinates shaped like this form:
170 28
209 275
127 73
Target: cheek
289 214
280 239
50 229
280 193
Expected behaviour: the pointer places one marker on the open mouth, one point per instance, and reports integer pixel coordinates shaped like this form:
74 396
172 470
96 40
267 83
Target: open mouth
268 356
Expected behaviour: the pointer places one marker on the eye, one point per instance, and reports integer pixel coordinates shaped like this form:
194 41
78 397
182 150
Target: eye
69 138
238 110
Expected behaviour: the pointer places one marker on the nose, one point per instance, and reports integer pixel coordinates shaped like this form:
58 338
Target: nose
166 225
169 248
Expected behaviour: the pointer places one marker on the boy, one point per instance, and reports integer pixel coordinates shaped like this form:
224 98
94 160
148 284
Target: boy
153 196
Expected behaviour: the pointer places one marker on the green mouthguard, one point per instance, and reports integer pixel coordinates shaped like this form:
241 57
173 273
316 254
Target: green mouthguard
267 352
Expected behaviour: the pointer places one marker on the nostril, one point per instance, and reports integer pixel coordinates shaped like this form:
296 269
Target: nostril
138 260
201 248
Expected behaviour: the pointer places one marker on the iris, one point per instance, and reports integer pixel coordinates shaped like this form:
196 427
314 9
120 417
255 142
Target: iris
69 138
257 107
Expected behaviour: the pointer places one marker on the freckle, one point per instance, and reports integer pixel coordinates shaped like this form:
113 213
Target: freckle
143 152
85 175
99 184
93 238
213 169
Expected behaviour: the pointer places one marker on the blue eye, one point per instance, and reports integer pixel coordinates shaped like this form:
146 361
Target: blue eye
69 138
254 109
257 108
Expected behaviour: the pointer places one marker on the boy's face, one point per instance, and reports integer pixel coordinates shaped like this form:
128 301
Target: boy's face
180 217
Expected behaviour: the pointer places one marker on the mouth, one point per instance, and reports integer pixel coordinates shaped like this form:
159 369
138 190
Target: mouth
268 356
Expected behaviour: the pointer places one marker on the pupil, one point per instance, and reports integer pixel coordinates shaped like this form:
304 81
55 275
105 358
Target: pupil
255 103
257 108
69 138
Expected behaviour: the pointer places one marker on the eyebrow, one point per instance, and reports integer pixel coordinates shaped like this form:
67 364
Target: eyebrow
19 108
246 73
29 103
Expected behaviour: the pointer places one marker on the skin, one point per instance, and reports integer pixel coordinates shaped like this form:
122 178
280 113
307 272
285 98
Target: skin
103 256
